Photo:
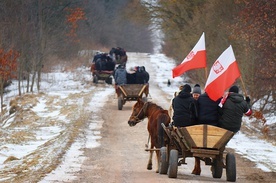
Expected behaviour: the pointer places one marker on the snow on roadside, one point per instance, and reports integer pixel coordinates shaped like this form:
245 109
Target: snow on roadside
74 157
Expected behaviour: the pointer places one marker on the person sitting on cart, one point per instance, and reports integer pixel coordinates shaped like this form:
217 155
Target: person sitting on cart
97 56
170 110
207 114
184 107
119 54
120 75
146 74
142 76
196 91
131 76
232 107
100 62
207 110
110 64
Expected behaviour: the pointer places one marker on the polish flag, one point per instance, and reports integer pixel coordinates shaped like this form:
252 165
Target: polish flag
194 60
222 75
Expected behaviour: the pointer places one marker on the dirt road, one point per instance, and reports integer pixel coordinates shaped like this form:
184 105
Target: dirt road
121 157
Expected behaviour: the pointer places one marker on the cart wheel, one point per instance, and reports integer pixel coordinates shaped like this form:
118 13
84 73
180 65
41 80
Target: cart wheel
163 164
120 103
217 168
230 167
95 79
109 80
173 164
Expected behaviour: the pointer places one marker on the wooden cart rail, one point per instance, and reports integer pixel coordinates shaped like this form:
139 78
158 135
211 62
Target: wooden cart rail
204 136
200 136
132 90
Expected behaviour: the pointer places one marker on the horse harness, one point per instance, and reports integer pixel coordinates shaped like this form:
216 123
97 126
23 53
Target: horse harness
143 109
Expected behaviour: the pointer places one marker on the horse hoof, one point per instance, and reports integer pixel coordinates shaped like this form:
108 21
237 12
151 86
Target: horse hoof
196 172
149 167
157 171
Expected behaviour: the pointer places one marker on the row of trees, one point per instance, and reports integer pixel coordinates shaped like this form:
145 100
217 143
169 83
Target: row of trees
41 29
247 25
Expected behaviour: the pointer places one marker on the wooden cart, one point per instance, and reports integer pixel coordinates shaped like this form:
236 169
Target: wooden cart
101 75
206 142
131 92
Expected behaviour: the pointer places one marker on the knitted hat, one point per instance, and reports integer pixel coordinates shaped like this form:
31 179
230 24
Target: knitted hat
197 89
234 89
187 88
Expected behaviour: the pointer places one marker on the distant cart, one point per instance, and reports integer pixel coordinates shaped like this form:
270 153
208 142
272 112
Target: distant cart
101 75
206 142
131 92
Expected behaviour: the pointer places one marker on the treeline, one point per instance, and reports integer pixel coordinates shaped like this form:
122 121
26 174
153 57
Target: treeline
44 31
247 25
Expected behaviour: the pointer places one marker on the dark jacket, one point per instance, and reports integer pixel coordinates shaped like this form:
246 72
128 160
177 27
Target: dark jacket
232 111
131 78
207 110
142 76
185 112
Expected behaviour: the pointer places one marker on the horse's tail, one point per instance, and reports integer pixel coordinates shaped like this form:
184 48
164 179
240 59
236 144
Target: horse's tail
165 119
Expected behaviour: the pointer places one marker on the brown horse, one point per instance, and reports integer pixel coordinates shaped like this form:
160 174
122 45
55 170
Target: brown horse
156 116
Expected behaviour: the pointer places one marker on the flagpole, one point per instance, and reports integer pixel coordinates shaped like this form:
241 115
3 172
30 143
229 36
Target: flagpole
206 73
243 86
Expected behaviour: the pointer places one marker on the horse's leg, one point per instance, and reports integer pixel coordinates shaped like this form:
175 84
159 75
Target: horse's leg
197 169
149 166
158 160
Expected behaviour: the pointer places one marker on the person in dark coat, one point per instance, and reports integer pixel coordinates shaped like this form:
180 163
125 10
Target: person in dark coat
207 110
232 108
110 64
184 106
146 74
142 76
131 76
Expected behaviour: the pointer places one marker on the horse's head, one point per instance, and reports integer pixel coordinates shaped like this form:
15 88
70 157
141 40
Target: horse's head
138 113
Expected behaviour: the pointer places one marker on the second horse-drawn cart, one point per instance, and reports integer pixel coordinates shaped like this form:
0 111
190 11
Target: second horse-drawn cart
206 142
131 92
105 75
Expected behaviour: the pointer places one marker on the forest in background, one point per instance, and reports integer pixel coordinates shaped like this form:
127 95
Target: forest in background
44 31
38 33
247 25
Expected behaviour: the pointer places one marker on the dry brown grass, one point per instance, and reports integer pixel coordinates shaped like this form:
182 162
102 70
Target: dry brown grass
10 158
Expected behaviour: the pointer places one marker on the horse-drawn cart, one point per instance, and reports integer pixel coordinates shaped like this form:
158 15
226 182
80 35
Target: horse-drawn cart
131 92
206 142
105 75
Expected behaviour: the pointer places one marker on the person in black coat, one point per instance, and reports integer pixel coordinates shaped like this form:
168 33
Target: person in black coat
207 110
142 76
184 106
232 108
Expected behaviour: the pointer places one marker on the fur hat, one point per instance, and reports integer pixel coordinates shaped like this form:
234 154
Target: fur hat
234 89
197 89
187 88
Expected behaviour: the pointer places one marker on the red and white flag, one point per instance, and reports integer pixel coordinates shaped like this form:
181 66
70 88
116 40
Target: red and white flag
194 60
222 75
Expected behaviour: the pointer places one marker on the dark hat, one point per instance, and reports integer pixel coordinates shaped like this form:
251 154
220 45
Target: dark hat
234 89
187 88
197 89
